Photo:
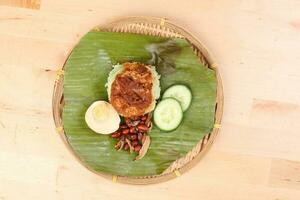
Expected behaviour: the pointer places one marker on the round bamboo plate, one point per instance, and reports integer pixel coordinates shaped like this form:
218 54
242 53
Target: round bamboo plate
155 27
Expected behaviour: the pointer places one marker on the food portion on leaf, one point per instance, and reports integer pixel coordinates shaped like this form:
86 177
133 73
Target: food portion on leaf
181 93
132 135
102 118
168 114
133 89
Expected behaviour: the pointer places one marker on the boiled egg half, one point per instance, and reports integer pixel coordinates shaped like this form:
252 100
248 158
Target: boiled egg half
102 118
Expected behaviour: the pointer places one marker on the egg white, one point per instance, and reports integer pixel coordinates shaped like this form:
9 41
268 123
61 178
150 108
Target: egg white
108 123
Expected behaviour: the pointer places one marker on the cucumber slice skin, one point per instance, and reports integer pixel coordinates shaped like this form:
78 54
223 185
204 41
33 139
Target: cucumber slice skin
172 90
156 118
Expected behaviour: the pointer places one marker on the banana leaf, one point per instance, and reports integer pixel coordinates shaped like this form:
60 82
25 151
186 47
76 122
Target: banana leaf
86 72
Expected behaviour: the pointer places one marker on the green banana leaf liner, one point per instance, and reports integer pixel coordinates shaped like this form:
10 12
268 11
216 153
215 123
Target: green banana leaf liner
86 73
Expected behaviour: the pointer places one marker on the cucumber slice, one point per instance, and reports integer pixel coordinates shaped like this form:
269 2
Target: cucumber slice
168 114
181 93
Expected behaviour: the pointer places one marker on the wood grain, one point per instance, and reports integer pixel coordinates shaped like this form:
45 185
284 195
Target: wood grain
32 4
257 46
285 174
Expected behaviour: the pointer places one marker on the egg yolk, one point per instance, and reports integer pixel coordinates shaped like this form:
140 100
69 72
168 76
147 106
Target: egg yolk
100 112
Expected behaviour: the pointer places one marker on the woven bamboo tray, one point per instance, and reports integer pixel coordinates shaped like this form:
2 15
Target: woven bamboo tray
154 27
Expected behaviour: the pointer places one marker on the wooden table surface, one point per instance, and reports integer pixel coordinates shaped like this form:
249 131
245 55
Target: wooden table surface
256 155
